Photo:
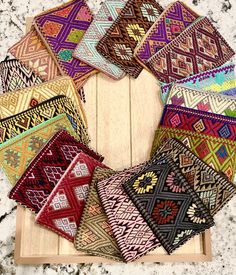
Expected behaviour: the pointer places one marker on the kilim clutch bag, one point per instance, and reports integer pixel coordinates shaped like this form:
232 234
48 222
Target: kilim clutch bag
219 153
198 48
199 121
121 39
45 170
168 203
124 218
94 235
202 101
86 50
63 209
61 29
17 124
16 153
218 80
18 101
174 20
15 75
213 189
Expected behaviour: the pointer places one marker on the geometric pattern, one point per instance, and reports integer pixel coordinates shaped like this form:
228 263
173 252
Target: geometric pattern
176 18
94 234
15 75
133 235
47 168
62 28
199 48
127 31
17 153
219 80
65 219
199 121
19 123
168 203
219 153
81 170
214 189
21 100
32 52
202 101
86 50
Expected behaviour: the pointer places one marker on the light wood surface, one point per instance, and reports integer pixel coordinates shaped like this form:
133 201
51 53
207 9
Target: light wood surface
122 117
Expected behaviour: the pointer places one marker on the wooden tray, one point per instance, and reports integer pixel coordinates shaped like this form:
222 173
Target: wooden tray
122 117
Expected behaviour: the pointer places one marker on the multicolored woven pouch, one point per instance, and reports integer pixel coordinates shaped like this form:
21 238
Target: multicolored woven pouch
219 153
15 75
121 39
86 50
16 153
46 169
213 189
202 101
61 29
63 209
94 235
199 121
174 214
198 48
18 101
174 20
32 52
124 218
218 80
17 124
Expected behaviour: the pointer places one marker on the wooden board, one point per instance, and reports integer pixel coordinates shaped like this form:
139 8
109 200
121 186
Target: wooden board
122 117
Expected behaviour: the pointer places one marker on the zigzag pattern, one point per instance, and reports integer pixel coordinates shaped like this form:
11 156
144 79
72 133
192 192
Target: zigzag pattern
219 153
174 20
214 190
62 28
119 42
202 101
67 200
168 203
16 76
17 124
199 121
94 234
198 48
47 167
86 49
16 153
124 218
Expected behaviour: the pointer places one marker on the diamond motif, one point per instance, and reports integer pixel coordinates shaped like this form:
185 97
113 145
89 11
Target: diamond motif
203 149
224 131
37 197
81 170
175 120
51 28
222 154
75 35
81 192
59 201
199 126
68 225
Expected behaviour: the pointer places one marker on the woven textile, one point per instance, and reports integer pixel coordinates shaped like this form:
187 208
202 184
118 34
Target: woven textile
62 28
119 42
94 234
174 20
230 92
197 49
32 52
21 100
46 169
219 153
212 188
16 153
202 101
15 75
199 121
219 80
133 236
17 124
86 50
63 209
174 214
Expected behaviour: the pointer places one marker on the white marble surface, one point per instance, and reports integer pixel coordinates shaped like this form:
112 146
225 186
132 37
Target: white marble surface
12 27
